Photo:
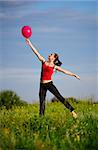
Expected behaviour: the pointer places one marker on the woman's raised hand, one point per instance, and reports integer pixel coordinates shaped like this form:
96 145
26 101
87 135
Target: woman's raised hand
28 41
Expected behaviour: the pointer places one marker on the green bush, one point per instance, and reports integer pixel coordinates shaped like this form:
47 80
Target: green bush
9 98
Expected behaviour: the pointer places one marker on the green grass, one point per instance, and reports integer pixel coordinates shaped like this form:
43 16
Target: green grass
21 128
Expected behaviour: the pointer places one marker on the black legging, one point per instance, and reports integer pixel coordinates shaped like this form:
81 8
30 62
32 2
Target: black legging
42 94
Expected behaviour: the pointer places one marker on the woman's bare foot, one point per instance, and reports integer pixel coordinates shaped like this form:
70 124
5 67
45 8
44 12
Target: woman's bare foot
74 114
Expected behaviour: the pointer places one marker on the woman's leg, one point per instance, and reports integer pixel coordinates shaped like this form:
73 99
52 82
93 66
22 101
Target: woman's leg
42 95
55 92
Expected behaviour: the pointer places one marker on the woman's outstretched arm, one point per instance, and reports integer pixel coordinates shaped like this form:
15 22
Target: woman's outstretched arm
35 51
66 72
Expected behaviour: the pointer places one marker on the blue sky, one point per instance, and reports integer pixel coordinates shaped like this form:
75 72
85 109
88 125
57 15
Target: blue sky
67 27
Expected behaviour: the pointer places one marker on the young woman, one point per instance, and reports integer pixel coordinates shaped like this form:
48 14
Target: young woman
46 83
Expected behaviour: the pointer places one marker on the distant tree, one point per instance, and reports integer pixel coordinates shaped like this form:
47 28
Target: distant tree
9 98
54 99
72 99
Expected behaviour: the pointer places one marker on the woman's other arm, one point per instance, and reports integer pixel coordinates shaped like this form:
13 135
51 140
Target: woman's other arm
67 72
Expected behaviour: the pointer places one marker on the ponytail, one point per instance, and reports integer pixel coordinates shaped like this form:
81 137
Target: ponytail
57 61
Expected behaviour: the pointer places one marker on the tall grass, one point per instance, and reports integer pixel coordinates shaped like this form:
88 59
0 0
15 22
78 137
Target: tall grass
21 128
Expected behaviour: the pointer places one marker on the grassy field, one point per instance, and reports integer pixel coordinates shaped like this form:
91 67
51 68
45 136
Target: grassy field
21 128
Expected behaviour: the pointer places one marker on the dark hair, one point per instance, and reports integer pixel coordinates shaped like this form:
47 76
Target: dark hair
57 61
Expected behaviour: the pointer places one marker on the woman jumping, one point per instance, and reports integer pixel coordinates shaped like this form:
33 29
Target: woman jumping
46 83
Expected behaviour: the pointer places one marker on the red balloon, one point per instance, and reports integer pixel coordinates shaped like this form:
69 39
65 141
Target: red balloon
26 31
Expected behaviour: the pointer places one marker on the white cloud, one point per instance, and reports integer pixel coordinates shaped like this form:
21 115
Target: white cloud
46 29
4 15
26 83
14 9
15 73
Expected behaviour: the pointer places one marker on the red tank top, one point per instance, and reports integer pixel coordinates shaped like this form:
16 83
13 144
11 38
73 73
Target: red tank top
46 73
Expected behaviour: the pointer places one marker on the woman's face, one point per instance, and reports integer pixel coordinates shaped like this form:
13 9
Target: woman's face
51 57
